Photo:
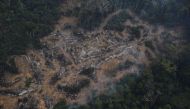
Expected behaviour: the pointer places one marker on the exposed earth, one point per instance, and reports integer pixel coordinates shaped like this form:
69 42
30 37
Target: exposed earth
75 64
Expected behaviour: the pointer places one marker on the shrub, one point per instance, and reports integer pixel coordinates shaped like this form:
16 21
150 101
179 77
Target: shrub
28 82
60 105
116 23
74 88
149 45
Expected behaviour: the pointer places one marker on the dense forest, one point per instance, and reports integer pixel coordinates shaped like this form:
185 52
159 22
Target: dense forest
167 12
23 22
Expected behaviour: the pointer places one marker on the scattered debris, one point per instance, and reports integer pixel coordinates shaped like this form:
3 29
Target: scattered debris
9 92
15 92
27 103
70 57
49 103
25 92
4 83
57 76
37 73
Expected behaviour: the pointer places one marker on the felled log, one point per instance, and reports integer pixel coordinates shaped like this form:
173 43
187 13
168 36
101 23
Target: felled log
48 102
15 92
5 83
37 73
27 103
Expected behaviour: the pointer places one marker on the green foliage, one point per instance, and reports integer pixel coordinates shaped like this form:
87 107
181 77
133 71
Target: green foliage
28 82
172 48
149 45
168 66
184 66
60 105
181 101
134 32
167 12
89 19
156 88
116 23
23 22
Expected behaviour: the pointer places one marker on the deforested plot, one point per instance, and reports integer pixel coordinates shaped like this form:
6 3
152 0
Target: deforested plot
99 54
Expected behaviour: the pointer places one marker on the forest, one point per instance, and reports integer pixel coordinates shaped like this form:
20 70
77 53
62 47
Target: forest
165 84
23 22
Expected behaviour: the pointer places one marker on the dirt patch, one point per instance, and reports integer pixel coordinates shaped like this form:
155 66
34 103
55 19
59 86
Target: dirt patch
100 53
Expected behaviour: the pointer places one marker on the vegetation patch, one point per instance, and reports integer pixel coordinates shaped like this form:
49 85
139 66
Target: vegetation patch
149 44
28 82
158 87
23 22
74 88
117 22
88 72
60 105
89 19
120 67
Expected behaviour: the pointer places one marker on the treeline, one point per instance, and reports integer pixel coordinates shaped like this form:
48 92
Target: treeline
165 12
164 85
23 22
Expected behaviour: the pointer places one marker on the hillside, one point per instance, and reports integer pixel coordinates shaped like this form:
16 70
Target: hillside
95 54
